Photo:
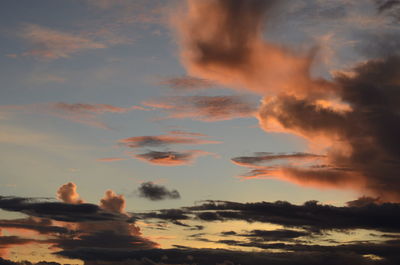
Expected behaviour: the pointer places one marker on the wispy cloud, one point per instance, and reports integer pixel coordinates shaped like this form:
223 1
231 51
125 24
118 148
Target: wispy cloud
164 140
53 44
187 83
205 108
88 114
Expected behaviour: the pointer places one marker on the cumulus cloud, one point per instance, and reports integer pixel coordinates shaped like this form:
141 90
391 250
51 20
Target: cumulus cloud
156 192
217 45
72 224
113 202
353 118
68 194
205 108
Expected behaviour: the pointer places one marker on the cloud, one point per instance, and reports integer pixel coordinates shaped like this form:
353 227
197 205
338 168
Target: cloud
68 194
353 117
362 139
52 44
310 216
188 83
164 140
155 192
205 108
218 46
274 235
58 211
391 7
73 224
183 255
40 225
113 202
171 158
262 157
83 113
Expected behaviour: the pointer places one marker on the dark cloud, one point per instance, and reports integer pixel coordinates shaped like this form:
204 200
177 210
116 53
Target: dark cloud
155 192
363 201
363 139
164 140
105 239
58 210
355 115
205 108
387 5
185 255
82 224
168 214
261 157
9 262
310 216
42 226
170 158
274 235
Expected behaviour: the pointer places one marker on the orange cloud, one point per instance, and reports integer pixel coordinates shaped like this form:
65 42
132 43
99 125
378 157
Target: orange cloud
222 41
353 117
67 193
113 202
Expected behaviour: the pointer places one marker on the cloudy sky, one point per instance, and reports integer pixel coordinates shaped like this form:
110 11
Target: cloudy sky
208 132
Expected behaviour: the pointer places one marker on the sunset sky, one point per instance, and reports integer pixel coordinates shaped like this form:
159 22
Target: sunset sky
226 132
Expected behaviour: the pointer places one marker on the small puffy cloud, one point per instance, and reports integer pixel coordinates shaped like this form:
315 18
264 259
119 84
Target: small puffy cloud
68 194
113 202
155 192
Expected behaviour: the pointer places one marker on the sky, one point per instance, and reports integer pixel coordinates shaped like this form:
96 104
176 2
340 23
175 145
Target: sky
208 132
